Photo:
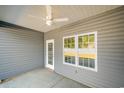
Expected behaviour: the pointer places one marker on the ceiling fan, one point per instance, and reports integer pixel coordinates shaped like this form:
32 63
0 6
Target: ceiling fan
49 17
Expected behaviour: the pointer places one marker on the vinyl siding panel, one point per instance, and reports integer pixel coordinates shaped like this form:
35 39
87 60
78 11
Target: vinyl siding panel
21 50
110 49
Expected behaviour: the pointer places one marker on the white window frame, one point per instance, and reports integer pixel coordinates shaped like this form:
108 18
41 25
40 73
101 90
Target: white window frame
89 51
69 49
78 50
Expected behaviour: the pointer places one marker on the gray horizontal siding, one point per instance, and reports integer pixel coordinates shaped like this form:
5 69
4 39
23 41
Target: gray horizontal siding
110 31
21 50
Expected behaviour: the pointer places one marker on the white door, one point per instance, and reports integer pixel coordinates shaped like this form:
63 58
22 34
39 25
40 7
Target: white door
50 54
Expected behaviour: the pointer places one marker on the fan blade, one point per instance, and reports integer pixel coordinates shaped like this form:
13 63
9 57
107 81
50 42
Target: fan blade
37 17
60 19
49 11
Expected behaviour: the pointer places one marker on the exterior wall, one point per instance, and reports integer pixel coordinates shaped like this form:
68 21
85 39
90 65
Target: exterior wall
110 49
21 50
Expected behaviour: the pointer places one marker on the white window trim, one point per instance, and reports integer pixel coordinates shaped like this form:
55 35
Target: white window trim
66 49
78 49
95 49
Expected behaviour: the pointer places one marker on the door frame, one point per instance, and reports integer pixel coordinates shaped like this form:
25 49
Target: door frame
46 63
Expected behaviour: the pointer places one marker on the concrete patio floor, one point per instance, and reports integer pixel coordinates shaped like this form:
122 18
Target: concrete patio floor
41 78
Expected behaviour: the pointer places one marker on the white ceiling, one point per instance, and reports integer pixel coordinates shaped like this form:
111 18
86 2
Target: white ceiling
19 15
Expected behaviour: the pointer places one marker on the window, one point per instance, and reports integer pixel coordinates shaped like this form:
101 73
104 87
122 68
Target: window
81 50
87 51
69 50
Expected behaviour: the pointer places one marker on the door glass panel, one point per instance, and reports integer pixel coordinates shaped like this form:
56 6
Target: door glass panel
50 53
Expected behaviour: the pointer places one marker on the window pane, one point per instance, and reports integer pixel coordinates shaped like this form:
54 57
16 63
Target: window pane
73 60
50 45
70 59
85 38
92 63
69 42
86 62
80 40
65 43
66 58
50 62
91 38
73 45
91 45
85 41
72 42
71 39
91 41
80 61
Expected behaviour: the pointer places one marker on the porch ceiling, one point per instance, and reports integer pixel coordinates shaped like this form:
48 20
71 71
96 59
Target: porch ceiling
19 14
